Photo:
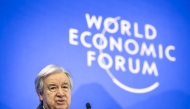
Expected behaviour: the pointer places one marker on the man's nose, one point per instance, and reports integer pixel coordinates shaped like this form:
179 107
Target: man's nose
60 93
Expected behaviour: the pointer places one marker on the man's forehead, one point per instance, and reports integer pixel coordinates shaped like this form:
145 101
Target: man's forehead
56 77
52 83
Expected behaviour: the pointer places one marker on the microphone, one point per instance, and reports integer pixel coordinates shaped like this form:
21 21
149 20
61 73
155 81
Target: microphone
88 106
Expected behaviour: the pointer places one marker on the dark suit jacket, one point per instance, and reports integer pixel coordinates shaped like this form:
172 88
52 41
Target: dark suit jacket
40 107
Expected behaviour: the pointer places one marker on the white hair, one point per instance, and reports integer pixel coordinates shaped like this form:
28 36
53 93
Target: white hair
48 70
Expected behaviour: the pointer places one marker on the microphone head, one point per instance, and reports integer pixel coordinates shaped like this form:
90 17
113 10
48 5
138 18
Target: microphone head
88 106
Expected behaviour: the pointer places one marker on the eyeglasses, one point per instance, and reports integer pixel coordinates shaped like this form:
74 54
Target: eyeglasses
55 88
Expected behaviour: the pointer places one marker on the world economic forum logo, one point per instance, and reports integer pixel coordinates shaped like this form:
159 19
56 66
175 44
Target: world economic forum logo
106 61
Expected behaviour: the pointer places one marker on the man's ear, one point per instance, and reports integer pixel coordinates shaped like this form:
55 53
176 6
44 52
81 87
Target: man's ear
40 94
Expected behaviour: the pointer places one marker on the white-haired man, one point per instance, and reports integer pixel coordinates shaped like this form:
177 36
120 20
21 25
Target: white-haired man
53 85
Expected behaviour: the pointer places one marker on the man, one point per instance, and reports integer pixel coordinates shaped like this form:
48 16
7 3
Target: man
53 86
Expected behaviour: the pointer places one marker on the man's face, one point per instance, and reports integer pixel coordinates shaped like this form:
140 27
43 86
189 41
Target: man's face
56 92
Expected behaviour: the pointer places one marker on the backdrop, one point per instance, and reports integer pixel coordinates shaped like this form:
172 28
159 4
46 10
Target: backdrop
121 54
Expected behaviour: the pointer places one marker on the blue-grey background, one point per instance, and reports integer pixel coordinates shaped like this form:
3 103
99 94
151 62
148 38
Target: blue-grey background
35 33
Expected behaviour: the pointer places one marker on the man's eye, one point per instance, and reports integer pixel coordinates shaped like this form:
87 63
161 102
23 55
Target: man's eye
53 88
65 87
